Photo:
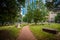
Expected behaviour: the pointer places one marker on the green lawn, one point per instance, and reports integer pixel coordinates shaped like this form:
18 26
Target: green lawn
8 32
40 34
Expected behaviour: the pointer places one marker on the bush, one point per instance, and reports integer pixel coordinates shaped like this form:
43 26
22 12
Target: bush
57 18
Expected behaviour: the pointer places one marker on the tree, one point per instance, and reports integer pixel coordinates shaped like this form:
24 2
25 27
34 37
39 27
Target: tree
40 12
9 10
53 5
36 12
25 19
28 17
37 15
57 18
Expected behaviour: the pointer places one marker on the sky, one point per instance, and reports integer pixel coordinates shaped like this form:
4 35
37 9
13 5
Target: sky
24 10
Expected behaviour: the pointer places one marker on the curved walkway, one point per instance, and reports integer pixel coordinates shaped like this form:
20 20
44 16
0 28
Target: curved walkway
26 34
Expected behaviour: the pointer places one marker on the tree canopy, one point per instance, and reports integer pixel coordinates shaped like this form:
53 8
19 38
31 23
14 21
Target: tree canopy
9 10
36 12
53 5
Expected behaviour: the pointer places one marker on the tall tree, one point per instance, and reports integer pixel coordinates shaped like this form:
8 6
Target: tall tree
9 10
37 11
29 15
40 12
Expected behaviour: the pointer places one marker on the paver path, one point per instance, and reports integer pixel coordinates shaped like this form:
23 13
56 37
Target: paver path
26 34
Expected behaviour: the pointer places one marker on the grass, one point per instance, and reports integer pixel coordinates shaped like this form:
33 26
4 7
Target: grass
41 35
8 32
23 24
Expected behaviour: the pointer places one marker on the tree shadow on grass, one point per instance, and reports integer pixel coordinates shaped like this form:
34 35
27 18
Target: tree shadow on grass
5 35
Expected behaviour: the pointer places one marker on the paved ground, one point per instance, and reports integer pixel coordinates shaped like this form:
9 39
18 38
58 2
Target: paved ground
26 34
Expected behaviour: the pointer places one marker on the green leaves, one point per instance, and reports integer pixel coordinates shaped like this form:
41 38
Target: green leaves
57 18
36 12
9 10
22 2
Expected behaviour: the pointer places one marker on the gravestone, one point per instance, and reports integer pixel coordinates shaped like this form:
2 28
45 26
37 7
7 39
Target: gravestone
18 25
52 31
49 30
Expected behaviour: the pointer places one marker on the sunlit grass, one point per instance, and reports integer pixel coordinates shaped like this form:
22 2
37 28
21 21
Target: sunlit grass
40 34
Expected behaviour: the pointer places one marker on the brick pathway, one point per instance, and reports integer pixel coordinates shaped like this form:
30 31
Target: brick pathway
26 34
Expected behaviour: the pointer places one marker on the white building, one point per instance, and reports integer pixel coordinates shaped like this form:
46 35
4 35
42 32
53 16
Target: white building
51 17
